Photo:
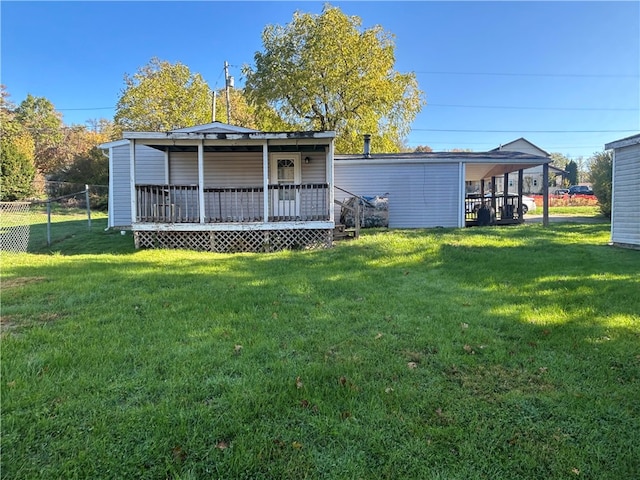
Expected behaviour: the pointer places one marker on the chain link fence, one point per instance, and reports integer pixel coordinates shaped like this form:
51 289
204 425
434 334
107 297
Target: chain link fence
15 226
31 226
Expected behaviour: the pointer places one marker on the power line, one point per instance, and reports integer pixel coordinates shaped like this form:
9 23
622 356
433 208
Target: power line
520 131
535 108
547 147
86 108
450 105
509 74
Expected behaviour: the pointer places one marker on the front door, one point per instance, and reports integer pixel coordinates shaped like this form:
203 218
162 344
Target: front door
286 176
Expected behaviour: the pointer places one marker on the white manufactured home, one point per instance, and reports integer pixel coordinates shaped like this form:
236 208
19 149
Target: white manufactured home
223 188
625 195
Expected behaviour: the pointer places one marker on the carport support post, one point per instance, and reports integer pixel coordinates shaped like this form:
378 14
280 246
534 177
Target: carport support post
493 193
520 179
505 195
545 194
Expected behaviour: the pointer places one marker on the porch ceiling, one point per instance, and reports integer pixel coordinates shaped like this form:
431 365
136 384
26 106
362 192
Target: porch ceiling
478 171
239 148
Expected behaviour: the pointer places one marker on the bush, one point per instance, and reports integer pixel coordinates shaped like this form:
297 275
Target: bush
601 180
16 171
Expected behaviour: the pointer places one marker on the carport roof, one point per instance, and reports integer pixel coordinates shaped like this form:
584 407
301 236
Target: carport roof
478 165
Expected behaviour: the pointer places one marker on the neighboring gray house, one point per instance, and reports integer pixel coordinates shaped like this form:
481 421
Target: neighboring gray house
223 188
625 198
532 177
429 189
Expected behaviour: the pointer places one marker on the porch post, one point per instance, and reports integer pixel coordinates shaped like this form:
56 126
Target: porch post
329 163
545 194
166 166
132 179
201 179
265 181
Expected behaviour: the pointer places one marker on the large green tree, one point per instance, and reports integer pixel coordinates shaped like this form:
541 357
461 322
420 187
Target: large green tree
246 114
17 168
38 116
601 176
163 96
572 172
16 171
324 72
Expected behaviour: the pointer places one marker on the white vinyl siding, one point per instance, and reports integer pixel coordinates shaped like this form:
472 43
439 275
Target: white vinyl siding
316 170
420 195
120 212
183 168
625 221
149 169
234 169
149 165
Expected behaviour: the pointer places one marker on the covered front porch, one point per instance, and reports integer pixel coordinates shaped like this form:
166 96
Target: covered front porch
169 203
206 189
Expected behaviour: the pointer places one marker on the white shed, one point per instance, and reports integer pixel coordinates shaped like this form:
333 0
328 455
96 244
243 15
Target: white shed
625 197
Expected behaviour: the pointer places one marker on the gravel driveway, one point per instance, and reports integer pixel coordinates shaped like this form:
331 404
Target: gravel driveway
567 217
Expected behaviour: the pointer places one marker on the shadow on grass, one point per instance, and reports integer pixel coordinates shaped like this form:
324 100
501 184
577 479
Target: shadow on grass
528 327
74 237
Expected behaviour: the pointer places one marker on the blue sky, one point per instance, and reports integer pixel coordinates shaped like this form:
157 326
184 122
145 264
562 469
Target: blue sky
564 75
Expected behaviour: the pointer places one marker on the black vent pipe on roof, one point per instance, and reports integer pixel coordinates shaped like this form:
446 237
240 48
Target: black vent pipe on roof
367 146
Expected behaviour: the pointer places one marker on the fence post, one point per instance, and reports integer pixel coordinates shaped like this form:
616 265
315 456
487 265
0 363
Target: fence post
48 222
86 196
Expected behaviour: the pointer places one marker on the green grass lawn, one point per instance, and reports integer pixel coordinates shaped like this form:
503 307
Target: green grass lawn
498 353
585 210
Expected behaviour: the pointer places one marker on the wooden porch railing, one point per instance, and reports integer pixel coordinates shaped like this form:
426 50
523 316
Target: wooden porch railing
167 203
232 205
501 212
180 203
305 202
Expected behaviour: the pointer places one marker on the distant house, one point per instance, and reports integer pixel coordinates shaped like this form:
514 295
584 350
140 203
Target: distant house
532 177
223 188
625 199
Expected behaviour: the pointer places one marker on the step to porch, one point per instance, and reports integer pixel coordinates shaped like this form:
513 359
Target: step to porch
341 232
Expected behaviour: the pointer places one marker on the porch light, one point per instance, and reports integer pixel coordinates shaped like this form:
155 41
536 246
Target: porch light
307 160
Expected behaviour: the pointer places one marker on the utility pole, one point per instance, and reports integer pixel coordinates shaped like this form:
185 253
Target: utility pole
213 107
228 83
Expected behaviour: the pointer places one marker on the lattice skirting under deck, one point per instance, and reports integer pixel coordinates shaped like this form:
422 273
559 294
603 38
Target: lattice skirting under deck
236 241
